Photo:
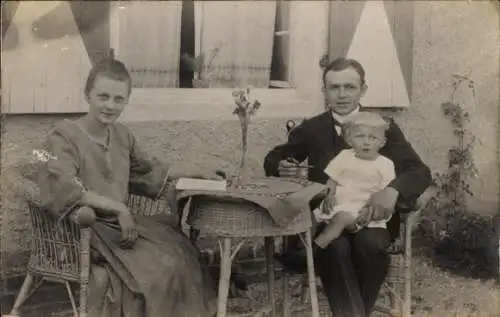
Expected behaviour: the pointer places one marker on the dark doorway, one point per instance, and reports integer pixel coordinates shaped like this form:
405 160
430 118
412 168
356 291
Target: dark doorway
186 75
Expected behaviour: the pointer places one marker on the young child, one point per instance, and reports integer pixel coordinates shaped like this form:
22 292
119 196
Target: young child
354 175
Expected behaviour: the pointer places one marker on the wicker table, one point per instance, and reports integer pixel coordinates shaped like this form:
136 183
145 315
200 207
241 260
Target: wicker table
244 213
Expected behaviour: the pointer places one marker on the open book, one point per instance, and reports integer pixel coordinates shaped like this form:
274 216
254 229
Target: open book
201 184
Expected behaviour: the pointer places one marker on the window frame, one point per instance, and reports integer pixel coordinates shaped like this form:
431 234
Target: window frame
289 83
304 99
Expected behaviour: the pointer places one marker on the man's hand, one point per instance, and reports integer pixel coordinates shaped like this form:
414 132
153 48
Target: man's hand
288 168
127 225
383 203
380 206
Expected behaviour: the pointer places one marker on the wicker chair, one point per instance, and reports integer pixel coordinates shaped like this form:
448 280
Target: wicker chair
60 253
396 291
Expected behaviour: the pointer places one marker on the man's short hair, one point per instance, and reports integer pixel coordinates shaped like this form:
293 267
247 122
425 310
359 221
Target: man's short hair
342 63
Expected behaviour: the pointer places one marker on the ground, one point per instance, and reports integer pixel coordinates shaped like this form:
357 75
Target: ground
436 293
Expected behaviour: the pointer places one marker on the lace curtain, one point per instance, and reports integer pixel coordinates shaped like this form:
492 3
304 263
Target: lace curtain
146 37
244 31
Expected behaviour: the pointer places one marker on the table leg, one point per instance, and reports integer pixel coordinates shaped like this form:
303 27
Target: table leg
269 249
286 295
224 279
311 276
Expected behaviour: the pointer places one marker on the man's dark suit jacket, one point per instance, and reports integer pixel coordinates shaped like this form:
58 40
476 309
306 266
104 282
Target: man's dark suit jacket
317 140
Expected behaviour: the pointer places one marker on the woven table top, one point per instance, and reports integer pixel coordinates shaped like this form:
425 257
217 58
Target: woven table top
261 207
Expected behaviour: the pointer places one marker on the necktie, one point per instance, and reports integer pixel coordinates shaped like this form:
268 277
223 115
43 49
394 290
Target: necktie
341 132
338 128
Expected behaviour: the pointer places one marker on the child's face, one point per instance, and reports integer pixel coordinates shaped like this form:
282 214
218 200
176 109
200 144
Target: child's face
366 141
107 99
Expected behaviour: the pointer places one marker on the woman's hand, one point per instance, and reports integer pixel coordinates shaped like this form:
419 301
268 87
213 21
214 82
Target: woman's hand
183 171
127 225
210 174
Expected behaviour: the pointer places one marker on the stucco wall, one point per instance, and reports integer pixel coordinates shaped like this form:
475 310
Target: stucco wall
457 38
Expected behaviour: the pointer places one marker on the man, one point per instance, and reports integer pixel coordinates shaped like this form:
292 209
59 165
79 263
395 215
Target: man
352 267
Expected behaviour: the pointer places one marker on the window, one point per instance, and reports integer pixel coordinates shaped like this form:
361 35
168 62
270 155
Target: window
280 65
253 39
287 47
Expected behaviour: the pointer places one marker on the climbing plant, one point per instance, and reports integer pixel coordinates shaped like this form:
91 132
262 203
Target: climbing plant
461 240
453 186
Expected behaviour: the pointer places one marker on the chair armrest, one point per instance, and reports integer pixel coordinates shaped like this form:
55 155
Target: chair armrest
147 206
83 216
421 202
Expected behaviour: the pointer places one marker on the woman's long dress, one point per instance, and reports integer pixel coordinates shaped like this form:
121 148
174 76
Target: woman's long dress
162 275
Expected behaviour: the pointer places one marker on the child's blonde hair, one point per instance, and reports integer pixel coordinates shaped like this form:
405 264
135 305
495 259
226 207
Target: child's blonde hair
364 118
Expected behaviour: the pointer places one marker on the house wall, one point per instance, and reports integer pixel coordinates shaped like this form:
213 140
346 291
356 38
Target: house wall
457 37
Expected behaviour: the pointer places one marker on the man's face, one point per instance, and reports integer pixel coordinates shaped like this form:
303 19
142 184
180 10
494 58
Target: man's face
343 90
107 99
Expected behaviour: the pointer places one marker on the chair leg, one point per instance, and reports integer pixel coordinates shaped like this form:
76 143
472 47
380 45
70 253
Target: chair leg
385 302
71 298
224 278
193 234
305 293
396 304
406 311
25 292
85 235
286 296
311 276
269 249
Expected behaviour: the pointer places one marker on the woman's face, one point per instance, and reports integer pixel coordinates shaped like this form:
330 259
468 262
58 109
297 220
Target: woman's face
107 99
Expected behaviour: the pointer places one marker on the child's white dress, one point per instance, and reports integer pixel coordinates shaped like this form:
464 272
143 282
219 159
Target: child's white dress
357 179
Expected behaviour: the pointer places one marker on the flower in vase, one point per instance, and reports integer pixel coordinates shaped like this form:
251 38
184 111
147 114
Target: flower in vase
245 108
244 105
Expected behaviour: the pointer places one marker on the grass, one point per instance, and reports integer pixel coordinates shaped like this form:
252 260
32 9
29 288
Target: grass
436 293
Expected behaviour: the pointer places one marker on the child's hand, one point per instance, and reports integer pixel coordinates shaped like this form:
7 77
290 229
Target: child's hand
328 203
365 216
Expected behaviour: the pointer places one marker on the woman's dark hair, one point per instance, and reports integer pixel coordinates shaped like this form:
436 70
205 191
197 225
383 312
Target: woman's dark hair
110 68
342 63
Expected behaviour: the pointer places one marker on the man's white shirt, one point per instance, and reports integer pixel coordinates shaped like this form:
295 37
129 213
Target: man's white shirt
342 119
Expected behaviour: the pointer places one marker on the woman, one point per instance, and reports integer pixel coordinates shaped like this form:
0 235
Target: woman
140 268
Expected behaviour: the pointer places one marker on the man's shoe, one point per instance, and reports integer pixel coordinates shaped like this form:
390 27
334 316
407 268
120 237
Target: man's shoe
294 261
